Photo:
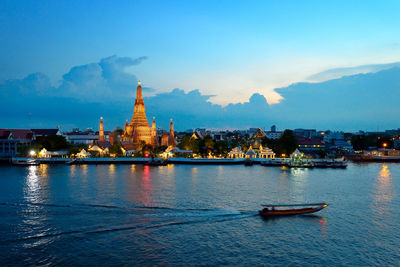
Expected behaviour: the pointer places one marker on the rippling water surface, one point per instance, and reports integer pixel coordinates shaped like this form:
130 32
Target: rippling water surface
197 215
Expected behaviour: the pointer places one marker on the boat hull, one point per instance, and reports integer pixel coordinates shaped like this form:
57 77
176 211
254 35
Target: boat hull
271 213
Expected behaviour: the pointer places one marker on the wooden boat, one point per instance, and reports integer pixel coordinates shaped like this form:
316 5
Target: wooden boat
25 162
300 164
330 163
291 209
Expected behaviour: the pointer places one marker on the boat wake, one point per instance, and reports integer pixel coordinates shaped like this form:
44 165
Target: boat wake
90 219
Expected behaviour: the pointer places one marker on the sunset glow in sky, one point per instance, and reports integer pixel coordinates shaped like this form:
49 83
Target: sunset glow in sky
229 49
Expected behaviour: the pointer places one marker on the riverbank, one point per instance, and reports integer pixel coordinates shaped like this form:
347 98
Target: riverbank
274 162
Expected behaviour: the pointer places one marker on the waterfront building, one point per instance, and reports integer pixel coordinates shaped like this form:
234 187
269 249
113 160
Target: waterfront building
46 132
273 135
306 133
99 151
81 138
83 154
308 145
236 153
257 138
13 141
330 136
266 153
139 130
296 154
44 153
342 145
251 153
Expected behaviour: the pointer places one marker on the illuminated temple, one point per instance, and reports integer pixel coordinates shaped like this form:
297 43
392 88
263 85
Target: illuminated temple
139 130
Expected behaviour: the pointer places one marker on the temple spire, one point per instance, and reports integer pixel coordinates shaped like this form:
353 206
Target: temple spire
171 137
101 130
139 91
139 114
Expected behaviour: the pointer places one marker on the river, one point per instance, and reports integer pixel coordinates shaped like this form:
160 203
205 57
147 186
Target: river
180 215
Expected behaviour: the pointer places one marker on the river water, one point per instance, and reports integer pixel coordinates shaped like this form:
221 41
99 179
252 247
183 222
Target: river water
180 215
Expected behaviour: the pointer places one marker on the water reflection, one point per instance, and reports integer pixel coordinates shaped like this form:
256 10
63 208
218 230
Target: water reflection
32 185
84 170
194 174
383 191
297 183
132 168
146 186
72 170
324 223
43 170
111 170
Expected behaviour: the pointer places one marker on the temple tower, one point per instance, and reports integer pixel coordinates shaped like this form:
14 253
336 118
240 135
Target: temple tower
101 130
171 137
138 130
139 113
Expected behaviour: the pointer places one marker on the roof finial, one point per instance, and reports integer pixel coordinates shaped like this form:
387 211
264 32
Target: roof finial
139 82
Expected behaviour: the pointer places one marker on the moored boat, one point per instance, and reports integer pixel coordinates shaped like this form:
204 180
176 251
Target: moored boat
25 162
291 209
330 163
300 164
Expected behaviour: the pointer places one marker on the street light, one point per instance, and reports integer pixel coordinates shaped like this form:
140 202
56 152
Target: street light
384 145
32 153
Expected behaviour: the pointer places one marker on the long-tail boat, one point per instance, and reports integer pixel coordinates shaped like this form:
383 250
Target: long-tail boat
291 209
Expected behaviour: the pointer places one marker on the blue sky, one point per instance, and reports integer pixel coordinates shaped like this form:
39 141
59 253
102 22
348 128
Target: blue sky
227 49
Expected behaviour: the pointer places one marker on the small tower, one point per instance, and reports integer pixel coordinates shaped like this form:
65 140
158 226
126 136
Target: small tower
171 137
101 130
154 132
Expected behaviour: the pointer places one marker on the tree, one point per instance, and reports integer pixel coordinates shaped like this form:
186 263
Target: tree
287 143
185 143
221 148
76 149
209 143
52 142
116 149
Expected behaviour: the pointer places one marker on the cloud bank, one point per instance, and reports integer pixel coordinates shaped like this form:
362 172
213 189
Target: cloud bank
340 72
86 92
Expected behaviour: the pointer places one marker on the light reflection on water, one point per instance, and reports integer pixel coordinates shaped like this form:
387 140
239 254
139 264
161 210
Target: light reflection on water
111 170
59 212
384 191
